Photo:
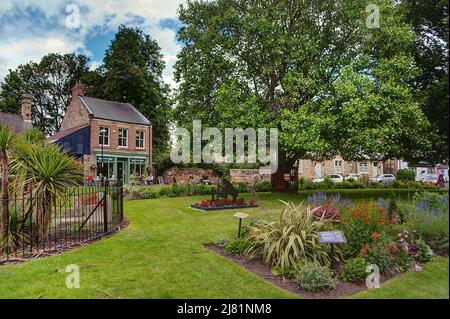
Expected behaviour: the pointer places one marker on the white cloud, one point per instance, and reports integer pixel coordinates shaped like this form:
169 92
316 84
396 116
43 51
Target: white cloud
22 40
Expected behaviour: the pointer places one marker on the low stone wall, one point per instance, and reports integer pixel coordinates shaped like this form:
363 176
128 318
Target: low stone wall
189 175
247 176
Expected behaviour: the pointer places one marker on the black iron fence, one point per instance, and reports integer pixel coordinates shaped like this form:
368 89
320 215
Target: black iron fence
40 225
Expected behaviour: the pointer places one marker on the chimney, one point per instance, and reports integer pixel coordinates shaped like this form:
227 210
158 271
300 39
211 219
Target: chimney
77 90
25 102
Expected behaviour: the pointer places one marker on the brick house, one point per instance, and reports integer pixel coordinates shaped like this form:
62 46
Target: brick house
312 169
126 139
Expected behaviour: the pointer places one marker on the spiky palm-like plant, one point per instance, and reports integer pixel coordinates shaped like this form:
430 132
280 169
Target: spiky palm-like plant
45 171
8 140
289 240
33 135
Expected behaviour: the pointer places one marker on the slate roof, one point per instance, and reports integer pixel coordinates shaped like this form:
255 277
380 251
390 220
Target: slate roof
115 111
14 121
59 135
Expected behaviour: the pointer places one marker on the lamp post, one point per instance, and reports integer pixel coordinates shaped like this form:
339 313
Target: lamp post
102 132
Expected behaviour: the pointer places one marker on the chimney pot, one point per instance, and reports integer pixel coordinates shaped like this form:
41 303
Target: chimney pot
77 90
25 103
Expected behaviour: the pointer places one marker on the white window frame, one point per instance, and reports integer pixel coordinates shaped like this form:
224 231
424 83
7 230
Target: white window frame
102 138
119 138
338 166
143 139
363 167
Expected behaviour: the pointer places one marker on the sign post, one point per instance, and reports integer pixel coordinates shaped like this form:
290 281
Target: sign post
241 216
332 237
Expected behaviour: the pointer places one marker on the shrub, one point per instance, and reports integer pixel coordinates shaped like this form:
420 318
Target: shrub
263 186
236 246
423 252
315 278
221 241
405 175
388 255
354 269
240 187
290 239
327 211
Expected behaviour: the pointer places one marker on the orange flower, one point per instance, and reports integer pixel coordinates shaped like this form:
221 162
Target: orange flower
363 251
374 236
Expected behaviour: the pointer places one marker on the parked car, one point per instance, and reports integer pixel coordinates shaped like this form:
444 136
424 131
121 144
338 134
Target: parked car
334 177
353 177
383 178
433 179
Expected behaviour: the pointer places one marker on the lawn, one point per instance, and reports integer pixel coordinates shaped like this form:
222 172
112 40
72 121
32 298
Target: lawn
160 255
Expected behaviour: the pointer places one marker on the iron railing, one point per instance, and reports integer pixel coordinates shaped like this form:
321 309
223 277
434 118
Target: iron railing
40 225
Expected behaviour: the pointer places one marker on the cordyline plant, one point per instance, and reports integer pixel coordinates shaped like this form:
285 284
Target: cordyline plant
291 240
44 171
8 140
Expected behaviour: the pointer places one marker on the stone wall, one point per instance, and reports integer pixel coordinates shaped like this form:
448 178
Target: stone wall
247 176
189 175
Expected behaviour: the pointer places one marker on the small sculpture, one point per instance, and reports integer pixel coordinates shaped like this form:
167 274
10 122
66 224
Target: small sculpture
224 190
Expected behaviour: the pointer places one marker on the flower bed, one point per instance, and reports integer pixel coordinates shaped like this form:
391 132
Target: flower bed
225 203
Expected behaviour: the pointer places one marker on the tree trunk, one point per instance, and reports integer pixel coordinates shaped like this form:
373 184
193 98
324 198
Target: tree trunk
5 196
285 179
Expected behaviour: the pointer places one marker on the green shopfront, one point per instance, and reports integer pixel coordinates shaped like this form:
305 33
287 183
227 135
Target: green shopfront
128 167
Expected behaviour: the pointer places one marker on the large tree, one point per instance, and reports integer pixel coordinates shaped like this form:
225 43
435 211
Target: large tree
132 72
49 81
429 20
316 70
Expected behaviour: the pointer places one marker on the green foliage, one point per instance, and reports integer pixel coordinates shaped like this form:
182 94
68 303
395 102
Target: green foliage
45 169
236 247
429 21
354 269
132 72
405 175
438 242
348 81
361 225
315 278
423 251
50 82
290 239
263 186
389 256
155 191
222 240
427 213
240 187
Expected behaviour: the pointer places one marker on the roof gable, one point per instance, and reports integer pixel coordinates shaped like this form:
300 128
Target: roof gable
114 111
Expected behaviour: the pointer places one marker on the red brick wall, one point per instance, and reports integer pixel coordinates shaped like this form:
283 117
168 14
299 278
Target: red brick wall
114 137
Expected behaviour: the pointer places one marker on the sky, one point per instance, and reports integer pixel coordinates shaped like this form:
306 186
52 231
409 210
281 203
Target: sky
29 29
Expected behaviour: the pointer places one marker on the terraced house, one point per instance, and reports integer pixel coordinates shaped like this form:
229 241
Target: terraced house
94 126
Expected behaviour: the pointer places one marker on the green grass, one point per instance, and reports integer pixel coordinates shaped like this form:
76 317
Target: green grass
160 255
431 283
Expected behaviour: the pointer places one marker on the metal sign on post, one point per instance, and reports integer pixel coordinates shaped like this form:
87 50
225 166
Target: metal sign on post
241 216
332 237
